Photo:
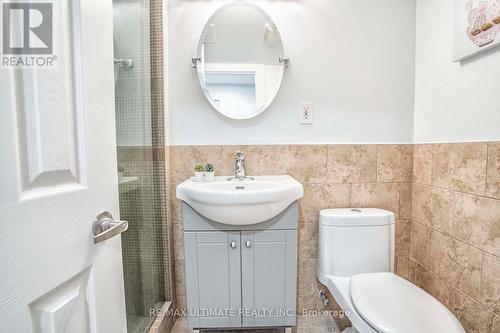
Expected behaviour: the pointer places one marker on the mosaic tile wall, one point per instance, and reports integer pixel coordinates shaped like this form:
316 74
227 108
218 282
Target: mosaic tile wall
161 152
143 204
142 163
455 237
134 120
332 175
143 249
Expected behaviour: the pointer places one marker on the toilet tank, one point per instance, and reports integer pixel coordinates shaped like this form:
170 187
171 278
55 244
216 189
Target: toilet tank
354 241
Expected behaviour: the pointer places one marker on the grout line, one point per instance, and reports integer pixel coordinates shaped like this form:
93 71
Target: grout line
327 159
432 163
453 213
487 163
362 182
481 273
456 191
454 287
400 198
457 239
409 248
429 245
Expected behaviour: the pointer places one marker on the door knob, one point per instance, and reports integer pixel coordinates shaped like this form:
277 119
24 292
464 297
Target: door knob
233 245
248 244
105 227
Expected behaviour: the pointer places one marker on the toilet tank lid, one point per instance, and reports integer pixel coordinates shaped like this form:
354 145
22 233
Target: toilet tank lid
355 217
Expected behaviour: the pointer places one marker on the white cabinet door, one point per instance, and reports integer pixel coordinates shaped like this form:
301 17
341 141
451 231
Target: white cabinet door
268 275
213 278
57 172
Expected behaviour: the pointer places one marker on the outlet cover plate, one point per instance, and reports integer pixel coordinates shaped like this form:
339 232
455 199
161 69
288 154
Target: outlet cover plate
306 113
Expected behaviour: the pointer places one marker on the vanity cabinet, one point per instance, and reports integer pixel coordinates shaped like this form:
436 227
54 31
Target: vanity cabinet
241 276
213 275
268 277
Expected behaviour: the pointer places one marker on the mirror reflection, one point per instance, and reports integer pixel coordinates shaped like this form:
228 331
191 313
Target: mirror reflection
239 61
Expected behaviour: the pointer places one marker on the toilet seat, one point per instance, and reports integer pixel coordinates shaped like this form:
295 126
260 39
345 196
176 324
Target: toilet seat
391 304
341 291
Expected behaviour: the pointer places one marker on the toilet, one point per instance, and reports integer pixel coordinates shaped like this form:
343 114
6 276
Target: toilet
356 264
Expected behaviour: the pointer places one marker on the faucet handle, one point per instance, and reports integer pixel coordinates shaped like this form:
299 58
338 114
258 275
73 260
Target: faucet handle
240 156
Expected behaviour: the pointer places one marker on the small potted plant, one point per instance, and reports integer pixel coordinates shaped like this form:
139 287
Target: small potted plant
199 172
209 172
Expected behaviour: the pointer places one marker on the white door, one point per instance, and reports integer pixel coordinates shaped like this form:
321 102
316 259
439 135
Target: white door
57 172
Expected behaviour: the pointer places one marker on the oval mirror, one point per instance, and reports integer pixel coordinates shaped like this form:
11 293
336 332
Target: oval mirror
240 60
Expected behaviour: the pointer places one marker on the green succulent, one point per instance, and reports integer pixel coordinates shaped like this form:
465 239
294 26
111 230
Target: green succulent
209 167
199 168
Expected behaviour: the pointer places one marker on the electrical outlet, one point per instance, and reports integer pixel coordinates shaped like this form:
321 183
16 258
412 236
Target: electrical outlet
306 112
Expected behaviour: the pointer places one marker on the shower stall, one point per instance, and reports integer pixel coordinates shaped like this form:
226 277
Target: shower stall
142 166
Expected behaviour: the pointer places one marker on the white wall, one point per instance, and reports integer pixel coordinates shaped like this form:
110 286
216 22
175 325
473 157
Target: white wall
354 59
453 102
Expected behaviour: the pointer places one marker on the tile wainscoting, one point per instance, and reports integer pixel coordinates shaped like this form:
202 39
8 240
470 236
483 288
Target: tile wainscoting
332 175
455 230
447 237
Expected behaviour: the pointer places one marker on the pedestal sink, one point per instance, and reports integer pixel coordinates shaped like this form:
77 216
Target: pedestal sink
245 202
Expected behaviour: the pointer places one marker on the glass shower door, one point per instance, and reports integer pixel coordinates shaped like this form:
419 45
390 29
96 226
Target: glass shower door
141 165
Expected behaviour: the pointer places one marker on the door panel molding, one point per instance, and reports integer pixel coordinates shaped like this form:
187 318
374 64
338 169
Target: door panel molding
68 308
49 112
58 172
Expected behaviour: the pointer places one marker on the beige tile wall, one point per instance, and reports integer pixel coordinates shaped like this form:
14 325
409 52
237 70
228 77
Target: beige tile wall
332 175
455 230
446 198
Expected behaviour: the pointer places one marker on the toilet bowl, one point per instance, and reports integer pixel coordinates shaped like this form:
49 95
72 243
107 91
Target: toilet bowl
356 264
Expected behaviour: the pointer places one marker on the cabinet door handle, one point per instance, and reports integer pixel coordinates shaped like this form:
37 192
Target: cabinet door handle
248 244
233 245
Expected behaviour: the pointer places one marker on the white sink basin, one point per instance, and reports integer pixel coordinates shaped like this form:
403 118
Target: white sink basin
241 202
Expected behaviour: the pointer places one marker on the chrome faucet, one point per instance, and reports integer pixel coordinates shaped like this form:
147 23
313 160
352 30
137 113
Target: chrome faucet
239 168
